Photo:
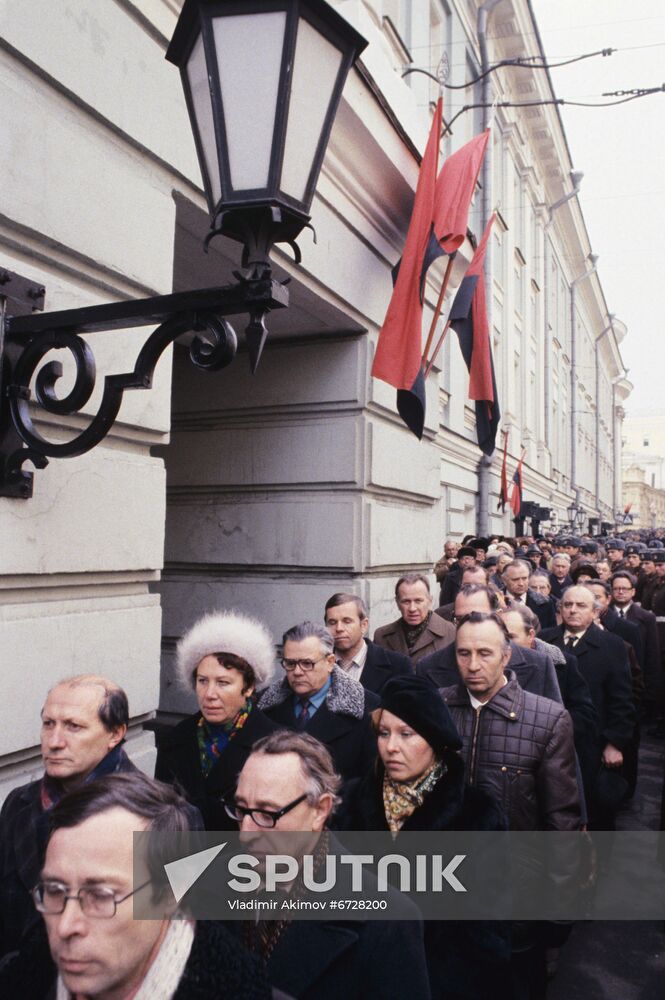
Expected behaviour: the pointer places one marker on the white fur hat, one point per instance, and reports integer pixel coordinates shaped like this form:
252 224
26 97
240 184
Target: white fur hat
227 632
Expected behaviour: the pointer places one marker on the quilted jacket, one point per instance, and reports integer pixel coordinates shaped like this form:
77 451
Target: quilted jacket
519 749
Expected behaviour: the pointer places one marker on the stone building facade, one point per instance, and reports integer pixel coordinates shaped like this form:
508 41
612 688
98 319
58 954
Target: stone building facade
270 492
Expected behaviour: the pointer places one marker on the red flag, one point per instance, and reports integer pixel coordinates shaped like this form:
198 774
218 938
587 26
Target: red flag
468 317
454 190
626 509
516 495
503 494
398 352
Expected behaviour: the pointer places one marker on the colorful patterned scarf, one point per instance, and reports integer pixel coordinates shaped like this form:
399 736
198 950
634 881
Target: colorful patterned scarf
213 740
402 798
413 632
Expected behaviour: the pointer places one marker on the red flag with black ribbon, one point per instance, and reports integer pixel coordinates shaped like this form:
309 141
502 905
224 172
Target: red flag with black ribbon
468 317
516 495
399 349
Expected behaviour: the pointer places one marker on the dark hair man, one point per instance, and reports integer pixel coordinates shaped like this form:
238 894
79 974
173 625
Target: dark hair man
466 556
534 670
418 631
83 725
85 895
317 697
346 619
624 600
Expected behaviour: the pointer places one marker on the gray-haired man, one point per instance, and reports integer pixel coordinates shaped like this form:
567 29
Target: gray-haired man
317 697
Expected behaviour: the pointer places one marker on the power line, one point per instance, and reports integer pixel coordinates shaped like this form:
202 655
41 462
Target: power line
560 101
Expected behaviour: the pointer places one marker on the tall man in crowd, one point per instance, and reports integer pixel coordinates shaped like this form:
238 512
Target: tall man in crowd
534 670
346 619
417 632
624 600
603 663
84 721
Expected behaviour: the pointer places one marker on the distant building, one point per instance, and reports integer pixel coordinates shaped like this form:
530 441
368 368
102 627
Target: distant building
644 446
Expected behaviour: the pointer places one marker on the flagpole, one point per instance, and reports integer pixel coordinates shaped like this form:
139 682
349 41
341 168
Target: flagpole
437 311
430 363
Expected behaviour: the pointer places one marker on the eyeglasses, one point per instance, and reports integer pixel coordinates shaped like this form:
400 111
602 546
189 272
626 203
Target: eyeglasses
95 900
290 665
261 817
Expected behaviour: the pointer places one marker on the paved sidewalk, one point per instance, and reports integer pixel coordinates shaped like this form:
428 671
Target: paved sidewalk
612 960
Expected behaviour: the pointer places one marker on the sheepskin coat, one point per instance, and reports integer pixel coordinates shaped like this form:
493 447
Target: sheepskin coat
342 723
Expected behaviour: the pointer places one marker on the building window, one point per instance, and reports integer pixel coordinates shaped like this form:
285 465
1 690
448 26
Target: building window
645 442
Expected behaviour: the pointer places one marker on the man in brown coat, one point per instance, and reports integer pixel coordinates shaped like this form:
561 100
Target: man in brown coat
418 632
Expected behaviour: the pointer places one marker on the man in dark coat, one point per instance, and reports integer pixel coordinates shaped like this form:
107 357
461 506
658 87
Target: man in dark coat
322 959
99 949
516 579
84 721
418 631
624 600
452 581
346 619
560 577
534 670
522 626
317 697
603 662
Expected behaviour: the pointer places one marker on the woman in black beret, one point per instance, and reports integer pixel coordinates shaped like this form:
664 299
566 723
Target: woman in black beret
417 783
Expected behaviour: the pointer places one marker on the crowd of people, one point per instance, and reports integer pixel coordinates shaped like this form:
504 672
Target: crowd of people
517 703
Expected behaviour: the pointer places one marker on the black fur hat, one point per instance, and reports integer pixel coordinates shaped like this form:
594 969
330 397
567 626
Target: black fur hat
417 702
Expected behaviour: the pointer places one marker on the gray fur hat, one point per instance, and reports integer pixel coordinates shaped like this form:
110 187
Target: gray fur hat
226 632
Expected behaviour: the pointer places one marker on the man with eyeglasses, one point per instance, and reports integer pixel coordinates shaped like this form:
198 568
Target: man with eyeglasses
318 697
85 895
289 784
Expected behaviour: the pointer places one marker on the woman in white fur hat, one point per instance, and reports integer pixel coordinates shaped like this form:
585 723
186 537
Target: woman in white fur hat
225 658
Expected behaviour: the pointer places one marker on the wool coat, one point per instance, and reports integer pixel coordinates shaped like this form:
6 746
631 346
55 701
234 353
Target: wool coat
342 723
438 634
382 664
178 763
23 836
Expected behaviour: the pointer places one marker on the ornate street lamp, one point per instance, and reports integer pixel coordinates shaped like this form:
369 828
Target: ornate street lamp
572 510
263 80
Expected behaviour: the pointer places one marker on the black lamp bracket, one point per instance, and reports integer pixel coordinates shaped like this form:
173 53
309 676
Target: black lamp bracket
26 337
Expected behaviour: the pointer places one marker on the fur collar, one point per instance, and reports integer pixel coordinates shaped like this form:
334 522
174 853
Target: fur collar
551 650
345 697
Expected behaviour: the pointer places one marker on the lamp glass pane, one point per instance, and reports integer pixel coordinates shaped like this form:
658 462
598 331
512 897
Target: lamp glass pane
197 75
249 56
315 70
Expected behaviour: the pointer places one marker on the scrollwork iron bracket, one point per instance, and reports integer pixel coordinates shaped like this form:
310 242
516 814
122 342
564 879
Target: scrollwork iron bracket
27 337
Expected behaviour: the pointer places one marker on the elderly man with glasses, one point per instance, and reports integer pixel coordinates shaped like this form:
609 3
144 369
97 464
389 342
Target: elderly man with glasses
289 785
317 697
